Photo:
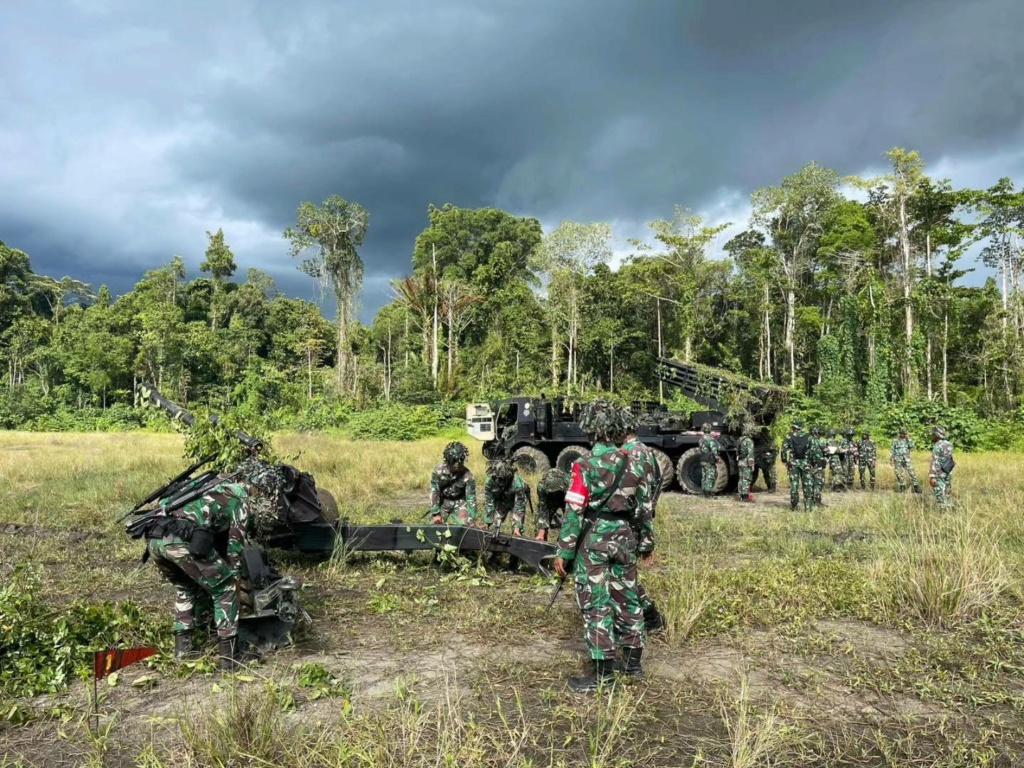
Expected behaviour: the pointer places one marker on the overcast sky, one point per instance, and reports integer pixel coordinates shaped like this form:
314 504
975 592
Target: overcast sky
128 127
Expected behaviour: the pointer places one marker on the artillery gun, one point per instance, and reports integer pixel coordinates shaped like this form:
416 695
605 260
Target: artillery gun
539 433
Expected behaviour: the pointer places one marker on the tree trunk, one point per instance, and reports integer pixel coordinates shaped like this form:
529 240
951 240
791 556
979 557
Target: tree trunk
435 358
768 334
342 363
910 387
554 355
661 384
451 345
789 332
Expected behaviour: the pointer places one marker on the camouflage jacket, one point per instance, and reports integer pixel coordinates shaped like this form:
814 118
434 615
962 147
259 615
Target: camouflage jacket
847 449
941 450
446 486
867 451
589 495
224 508
816 452
506 496
645 467
833 447
901 446
551 496
708 446
787 447
745 450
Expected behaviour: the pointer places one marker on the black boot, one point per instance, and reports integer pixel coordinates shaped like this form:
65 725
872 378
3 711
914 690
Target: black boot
232 657
917 489
603 672
631 662
183 650
653 618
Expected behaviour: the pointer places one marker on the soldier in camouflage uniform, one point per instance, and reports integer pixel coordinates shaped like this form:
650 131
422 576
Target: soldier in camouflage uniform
940 470
764 460
453 488
551 501
816 460
833 452
795 452
867 454
849 457
649 493
902 465
745 459
602 533
182 545
505 493
708 448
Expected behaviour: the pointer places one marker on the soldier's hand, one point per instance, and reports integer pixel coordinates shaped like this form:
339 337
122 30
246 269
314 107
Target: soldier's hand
517 532
542 535
646 558
436 519
931 481
560 567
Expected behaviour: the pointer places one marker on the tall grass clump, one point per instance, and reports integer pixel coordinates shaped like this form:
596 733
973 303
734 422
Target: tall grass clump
754 739
942 571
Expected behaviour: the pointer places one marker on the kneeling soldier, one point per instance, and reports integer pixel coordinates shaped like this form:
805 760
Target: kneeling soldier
453 488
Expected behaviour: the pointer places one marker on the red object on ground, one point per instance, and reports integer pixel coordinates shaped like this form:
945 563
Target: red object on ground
111 660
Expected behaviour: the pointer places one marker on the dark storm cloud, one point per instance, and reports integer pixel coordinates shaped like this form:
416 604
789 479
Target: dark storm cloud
129 129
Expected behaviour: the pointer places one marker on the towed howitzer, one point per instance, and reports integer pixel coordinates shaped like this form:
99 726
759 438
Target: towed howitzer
178 413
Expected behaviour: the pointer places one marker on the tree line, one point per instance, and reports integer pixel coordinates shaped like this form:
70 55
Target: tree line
848 290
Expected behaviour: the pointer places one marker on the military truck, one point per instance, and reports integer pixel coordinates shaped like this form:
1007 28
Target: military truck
538 432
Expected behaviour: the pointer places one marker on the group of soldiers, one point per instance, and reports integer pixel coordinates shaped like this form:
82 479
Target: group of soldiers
806 457
604 513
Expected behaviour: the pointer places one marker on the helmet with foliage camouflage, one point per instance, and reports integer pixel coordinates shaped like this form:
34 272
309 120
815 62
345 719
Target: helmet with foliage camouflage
268 478
816 431
602 421
848 432
455 454
797 424
938 432
502 469
903 432
630 423
705 428
865 433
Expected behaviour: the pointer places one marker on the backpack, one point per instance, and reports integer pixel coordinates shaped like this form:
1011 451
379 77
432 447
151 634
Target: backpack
799 445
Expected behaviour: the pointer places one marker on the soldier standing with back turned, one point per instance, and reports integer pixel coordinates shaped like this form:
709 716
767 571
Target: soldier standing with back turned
745 459
867 453
940 470
764 460
795 450
708 448
901 461
816 461
598 544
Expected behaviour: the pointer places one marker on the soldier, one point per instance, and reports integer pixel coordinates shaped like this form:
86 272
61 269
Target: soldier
551 501
182 546
795 451
598 542
833 450
940 470
816 461
764 460
901 462
849 457
648 492
745 459
867 453
504 493
453 488
708 448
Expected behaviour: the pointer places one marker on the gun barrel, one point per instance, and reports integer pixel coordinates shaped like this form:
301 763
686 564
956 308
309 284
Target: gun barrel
178 413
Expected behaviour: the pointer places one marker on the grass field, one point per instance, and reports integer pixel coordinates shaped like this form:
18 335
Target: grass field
878 631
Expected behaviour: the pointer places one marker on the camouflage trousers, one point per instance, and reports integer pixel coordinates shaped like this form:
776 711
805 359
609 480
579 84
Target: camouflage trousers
457 509
708 475
607 590
501 512
645 599
801 473
836 472
903 466
746 478
770 476
818 481
848 467
866 467
943 489
196 580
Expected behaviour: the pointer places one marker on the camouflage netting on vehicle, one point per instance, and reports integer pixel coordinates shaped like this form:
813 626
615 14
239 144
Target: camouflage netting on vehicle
744 402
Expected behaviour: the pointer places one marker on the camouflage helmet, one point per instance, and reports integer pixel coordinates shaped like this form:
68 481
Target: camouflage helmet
455 453
797 424
630 423
865 433
705 428
938 432
268 478
501 469
848 432
816 431
903 431
831 433
601 420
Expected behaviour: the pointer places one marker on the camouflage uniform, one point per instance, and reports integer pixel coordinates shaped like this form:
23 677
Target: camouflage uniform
833 452
901 462
505 492
867 455
453 487
764 460
551 499
708 448
849 457
223 509
745 458
798 465
816 461
941 480
645 467
603 530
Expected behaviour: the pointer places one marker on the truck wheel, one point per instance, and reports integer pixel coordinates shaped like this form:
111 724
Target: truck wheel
668 472
532 460
328 506
688 471
570 455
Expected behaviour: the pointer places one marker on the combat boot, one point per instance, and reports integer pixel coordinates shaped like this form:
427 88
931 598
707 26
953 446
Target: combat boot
631 662
602 673
183 649
232 655
917 489
653 619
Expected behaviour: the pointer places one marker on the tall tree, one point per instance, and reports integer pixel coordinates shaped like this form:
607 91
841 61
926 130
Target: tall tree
219 263
334 230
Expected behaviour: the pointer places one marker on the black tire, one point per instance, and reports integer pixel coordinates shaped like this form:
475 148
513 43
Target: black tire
668 471
688 473
570 455
328 506
531 460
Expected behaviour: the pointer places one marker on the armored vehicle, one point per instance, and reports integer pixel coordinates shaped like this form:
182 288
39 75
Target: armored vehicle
539 433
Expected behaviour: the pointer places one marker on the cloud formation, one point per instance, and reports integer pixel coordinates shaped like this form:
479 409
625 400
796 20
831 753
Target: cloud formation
129 129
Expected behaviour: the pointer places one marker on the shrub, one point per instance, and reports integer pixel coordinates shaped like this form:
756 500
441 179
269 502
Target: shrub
394 422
